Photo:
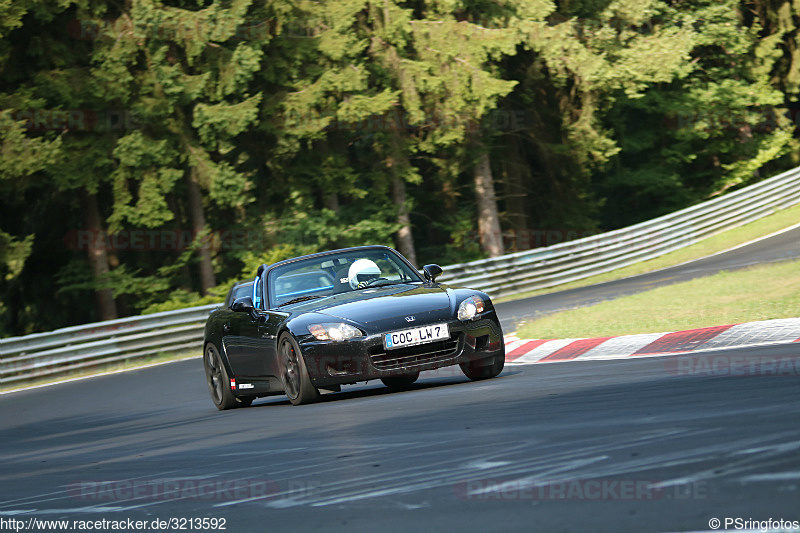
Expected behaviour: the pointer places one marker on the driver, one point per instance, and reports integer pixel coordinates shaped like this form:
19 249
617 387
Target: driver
362 272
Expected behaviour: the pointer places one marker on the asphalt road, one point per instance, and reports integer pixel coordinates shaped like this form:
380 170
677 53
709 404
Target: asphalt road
629 445
781 247
615 446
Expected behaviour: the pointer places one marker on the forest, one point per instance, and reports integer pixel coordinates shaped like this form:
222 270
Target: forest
152 152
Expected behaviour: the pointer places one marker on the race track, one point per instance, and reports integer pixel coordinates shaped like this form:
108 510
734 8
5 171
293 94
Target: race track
628 445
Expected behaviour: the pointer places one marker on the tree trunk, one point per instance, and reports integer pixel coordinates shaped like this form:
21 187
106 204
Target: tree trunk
515 178
98 257
332 202
405 239
488 219
207 280
397 162
322 148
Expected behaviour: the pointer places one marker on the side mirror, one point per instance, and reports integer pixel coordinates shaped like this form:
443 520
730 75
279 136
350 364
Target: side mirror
244 304
431 272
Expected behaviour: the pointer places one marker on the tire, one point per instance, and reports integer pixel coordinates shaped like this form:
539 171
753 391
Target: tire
294 374
218 380
400 382
477 373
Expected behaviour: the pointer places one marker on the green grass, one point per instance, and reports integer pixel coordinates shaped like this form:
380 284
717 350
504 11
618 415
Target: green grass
129 364
717 243
758 293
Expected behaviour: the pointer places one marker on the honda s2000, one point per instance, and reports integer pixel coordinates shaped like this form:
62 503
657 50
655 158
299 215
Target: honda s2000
325 320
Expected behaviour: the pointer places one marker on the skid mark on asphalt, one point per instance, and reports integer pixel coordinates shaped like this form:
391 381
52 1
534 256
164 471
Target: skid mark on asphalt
423 478
295 468
581 464
522 463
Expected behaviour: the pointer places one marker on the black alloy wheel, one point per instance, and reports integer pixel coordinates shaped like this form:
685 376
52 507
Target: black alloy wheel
485 371
294 375
217 379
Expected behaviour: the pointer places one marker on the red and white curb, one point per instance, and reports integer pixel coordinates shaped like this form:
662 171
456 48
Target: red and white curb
768 332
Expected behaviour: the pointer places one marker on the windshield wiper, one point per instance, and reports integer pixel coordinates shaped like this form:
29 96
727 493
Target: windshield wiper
300 299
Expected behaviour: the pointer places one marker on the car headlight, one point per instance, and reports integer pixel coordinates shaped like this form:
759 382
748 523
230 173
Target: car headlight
338 331
470 308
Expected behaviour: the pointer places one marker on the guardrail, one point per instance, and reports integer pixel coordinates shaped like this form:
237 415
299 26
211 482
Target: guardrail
88 346
582 258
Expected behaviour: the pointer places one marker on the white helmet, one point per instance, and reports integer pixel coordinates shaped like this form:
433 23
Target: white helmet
361 272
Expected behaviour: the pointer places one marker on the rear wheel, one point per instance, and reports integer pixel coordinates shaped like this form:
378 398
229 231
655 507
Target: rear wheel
400 382
294 374
475 372
217 379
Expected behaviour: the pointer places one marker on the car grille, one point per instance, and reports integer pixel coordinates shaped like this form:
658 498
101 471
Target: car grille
415 355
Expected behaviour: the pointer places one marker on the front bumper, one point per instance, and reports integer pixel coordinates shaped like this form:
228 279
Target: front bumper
365 358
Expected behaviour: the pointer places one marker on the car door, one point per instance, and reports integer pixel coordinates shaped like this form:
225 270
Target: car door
269 349
255 345
235 328
256 341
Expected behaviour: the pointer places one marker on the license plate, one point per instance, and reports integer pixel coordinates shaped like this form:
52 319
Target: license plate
414 336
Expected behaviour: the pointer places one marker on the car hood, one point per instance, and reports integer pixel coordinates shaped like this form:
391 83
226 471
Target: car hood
382 304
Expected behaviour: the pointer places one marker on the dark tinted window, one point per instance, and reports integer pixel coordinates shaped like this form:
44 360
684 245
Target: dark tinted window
239 290
328 274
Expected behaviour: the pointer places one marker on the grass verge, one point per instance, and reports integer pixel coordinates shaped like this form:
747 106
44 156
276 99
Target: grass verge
129 364
717 243
758 293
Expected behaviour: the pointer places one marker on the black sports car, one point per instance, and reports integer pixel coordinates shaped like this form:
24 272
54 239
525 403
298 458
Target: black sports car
328 319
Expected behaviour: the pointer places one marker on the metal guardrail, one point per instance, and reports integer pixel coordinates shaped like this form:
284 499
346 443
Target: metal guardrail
574 260
94 345
88 346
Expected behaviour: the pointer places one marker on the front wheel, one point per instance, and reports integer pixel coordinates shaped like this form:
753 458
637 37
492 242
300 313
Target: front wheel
217 379
400 382
475 372
294 374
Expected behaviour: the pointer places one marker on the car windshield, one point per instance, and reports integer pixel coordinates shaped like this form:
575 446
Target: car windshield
336 273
